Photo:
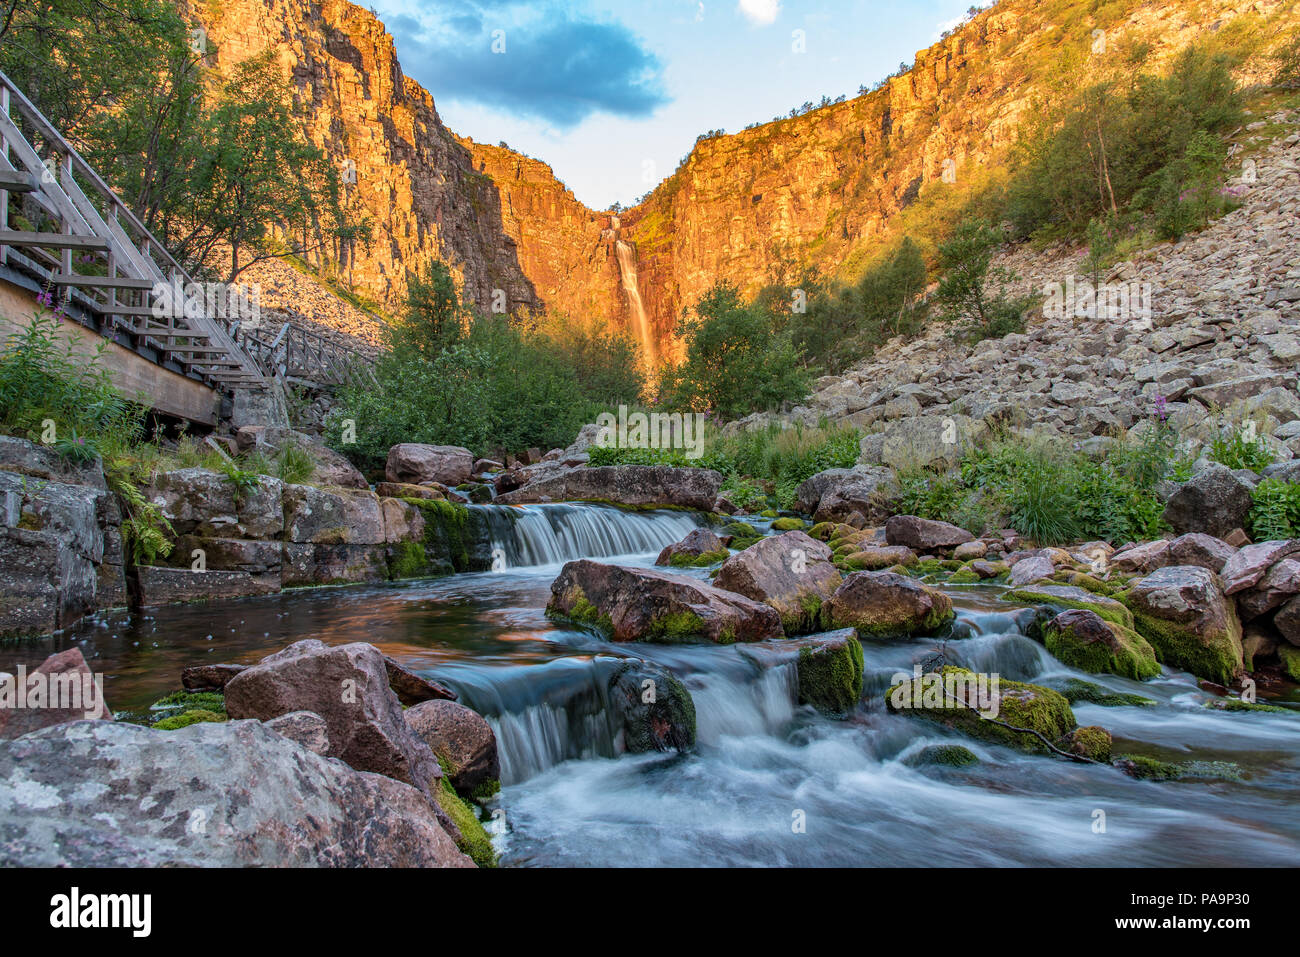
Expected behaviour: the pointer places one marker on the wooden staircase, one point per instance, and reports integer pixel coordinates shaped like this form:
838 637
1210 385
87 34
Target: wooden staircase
107 265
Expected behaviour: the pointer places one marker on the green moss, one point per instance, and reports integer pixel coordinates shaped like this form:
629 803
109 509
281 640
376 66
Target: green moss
741 530
448 533
830 676
1290 657
1214 658
409 561
1022 705
187 718
487 790
1152 769
822 531
680 626
964 576
788 524
1090 742
192 701
704 559
770 513
1135 659
474 841
583 612
740 544
1236 704
1076 690
1064 596
945 755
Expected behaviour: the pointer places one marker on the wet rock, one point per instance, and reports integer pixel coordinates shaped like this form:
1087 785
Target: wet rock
829 667
1182 612
332 517
411 689
462 739
698 542
251 798
167 586
347 685
636 485
877 557
403 522
1072 596
1089 742
654 710
885 605
62 679
208 677
1214 501
414 464
1084 640
954 697
641 604
791 572
943 755
305 728
924 535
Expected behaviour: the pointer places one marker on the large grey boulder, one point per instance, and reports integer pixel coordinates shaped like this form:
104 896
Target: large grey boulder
697 542
69 692
202 502
332 517
886 605
415 464
791 572
924 440
1214 501
232 794
348 686
867 490
924 535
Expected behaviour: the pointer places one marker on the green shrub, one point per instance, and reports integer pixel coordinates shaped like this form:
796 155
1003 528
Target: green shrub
1240 449
1275 513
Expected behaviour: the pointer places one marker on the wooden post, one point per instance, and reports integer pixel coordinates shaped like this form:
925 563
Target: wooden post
4 193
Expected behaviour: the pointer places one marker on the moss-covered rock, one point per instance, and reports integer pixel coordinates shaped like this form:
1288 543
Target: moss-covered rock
830 672
943 755
654 711
741 530
954 704
1153 769
187 718
1089 742
1076 690
1083 639
1071 596
1236 704
1191 624
179 701
1289 655
788 525
885 604
474 841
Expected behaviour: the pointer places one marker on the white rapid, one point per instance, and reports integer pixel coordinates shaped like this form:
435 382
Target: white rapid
627 270
533 535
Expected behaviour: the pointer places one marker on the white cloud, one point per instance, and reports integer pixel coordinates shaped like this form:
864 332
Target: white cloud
947 26
761 12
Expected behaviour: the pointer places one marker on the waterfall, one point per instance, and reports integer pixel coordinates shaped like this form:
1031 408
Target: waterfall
550 534
627 270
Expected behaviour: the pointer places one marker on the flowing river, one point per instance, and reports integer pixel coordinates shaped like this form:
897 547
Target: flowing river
770 782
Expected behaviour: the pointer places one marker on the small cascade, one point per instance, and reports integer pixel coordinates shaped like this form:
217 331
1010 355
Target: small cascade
532 535
626 256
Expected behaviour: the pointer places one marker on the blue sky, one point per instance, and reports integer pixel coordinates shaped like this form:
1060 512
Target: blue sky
613 94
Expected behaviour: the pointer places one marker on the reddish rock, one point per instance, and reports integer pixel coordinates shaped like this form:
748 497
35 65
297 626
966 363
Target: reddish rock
209 677
924 535
411 689
61 679
413 463
791 572
698 542
643 604
462 738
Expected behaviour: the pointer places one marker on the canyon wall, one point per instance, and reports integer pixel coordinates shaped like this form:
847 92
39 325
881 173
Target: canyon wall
825 188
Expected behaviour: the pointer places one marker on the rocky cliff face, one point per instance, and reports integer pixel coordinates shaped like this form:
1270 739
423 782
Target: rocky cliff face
825 188
419 185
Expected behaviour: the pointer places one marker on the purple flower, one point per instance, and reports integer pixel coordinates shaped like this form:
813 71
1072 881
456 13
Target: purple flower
1161 410
46 299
